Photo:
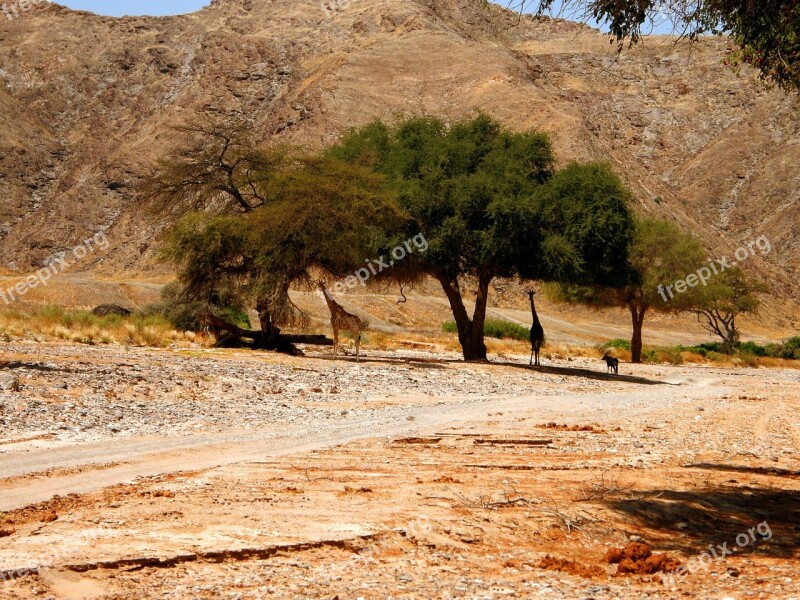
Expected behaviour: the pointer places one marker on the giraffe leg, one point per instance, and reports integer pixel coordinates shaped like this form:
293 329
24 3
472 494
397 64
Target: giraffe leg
358 344
335 342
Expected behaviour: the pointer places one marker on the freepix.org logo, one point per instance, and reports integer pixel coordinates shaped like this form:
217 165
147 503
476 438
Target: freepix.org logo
16 8
57 264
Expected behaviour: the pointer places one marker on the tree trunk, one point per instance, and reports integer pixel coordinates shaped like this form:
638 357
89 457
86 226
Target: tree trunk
232 336
720 323
637 319
269 332
264 317
732 336
470 331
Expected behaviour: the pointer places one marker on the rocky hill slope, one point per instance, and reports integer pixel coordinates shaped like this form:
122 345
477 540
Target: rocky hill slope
87 104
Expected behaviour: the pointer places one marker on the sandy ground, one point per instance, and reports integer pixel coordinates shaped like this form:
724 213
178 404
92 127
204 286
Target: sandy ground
228 474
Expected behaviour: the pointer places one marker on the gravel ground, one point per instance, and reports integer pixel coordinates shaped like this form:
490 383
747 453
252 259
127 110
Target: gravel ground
410 475
107 392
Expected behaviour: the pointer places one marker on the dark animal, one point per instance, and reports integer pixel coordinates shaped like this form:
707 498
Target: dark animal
111 309
537 332
612 363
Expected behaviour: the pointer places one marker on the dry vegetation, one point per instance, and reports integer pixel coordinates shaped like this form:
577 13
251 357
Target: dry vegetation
82 327
53 323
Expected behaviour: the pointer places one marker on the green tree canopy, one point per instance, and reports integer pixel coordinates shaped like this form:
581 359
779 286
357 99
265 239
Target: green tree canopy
486 200
320 213
670 273
488 203
728 295
660 255
585 210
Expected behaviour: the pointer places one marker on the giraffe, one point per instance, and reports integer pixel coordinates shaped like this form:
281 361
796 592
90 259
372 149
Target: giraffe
342 320
537 332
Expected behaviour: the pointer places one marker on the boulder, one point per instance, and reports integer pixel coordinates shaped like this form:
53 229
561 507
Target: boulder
111 309
9 383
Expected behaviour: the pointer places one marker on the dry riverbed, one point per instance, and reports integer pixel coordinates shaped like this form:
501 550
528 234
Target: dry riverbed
228 474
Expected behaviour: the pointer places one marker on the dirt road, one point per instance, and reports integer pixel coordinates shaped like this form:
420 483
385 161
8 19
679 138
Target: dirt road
232 475
90 466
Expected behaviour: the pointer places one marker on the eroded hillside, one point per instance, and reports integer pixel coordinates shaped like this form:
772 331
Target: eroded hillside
88 102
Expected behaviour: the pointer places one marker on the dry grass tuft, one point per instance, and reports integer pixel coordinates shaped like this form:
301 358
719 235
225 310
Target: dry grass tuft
82 327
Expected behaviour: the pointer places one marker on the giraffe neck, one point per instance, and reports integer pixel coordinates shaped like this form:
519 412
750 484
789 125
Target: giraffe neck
332 305
533 311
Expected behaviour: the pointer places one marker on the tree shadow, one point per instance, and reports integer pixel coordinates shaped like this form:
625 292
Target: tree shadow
439 363
774 471
35 367
691 520
585 373
424 363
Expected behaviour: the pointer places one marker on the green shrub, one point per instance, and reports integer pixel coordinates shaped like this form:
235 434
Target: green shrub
712 347
495 328
790 349
751 348
649 356
696 350
505 330
236 316
618 343
674 356
183 315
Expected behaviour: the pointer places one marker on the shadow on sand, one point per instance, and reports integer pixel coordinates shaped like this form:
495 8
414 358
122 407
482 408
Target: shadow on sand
585 373
718 515
435 363
774 471
35 367
423 363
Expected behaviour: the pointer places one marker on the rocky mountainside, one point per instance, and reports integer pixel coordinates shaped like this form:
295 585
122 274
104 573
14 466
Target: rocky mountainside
87 104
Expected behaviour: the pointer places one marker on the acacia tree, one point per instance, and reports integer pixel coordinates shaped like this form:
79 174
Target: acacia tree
660 255
766 32
728 295
217 168
324 214
487 202
320 213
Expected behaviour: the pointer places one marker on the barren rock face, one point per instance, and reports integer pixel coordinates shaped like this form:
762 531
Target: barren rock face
87 103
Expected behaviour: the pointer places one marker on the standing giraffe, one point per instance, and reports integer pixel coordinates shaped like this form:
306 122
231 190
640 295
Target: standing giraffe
537 331
342 320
